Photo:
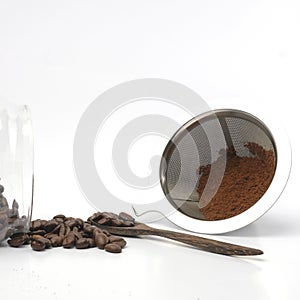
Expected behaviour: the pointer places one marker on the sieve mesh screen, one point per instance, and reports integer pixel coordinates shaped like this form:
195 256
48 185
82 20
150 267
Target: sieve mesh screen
205 141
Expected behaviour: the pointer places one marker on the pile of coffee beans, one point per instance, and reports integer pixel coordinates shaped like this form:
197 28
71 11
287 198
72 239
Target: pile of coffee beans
9 217
111 219
69 232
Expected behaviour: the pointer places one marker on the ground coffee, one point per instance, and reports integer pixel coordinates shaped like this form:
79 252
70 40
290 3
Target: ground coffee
245 181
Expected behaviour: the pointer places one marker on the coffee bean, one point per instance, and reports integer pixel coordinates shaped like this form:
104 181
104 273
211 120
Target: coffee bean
50 225
42 239
3 202
92 243
3 218
18 240
82 243
38 245
66 231
101 240
116 222
57 241
50 236
60 216
126 217
103 221
1 189
113 248
36 225
88 228
15 205
96 231
71 223
79 222
77 234
106 232
69 240
117 240
95 217
128 223
38 232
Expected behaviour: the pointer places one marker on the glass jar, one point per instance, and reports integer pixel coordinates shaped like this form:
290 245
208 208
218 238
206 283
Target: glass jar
16 169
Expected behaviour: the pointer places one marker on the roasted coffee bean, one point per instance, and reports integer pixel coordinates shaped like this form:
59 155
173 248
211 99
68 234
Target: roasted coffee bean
77 234
106 232
67 230
62 230
3 218
126 217
40 238
95 217
92 243
15 205
103 221
59 220
13 213
128 224
69 240
88 228
50 225
57 241
36 225
71 223
60 216
1 189
117 240
3 202
18 240
79 222
56 229
37 245
82 243
113 248
101 240
116 222
50 236
38 232
96 231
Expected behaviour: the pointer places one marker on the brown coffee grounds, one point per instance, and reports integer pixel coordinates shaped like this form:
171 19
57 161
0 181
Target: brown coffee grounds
245 181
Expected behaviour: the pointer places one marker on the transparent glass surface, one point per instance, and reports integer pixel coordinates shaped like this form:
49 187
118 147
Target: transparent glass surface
16 169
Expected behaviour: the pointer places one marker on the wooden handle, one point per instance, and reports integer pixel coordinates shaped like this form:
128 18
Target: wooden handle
206 244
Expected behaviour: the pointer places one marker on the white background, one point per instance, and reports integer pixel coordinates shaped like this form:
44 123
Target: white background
57 56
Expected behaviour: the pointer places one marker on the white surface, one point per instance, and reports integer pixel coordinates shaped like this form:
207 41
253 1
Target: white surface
57 56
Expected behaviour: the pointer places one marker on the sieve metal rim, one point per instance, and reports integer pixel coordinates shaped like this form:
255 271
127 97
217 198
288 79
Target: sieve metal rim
216 114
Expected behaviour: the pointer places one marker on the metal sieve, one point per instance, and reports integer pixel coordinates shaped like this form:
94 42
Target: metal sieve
200 142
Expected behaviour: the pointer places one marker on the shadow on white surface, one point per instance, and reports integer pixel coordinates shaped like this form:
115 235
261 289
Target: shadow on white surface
269 226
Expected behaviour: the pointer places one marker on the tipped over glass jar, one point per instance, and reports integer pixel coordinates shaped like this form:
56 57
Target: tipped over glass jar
16 169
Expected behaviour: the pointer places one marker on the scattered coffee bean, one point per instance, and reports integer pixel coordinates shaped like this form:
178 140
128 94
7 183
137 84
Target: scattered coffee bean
69 232
117 240
50 225
18 240
92 243
69 240
82 243
57 241
42 239
38 245
113 248
112 219
101 240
